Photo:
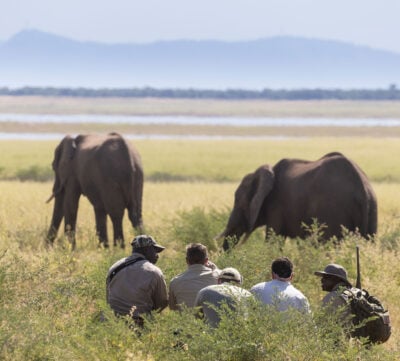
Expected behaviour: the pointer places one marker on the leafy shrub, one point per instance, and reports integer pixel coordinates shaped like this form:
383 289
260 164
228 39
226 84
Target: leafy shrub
35 173
52 304
199 226
264 334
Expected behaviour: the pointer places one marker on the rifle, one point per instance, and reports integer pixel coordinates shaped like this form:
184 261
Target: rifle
358 282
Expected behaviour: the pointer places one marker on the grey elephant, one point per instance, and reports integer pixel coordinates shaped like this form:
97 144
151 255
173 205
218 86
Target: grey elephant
109 172
333 190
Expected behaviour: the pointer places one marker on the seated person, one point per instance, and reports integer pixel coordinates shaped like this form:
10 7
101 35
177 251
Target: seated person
228 291
135 286
200 273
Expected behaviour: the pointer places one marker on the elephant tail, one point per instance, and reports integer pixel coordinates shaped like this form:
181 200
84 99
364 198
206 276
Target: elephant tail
135 201
372 217
136 209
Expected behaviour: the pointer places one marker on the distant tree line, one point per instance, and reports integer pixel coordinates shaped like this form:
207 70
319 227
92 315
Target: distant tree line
390 93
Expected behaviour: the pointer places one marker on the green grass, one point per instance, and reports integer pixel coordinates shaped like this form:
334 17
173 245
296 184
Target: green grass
53 301
213 160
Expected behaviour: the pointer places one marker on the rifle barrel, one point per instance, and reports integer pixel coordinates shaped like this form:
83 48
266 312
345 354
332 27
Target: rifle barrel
358 282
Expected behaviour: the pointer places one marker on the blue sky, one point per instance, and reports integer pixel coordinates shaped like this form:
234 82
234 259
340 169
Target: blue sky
365 22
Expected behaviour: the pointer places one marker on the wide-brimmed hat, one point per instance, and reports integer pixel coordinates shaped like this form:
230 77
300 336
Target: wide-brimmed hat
335 270
230 274
144 240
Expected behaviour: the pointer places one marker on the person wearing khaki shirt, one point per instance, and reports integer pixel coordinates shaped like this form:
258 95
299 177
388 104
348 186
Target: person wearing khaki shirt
135 286
200 273
334 280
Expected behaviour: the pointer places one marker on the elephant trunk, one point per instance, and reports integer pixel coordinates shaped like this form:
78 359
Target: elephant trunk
56 218
232 239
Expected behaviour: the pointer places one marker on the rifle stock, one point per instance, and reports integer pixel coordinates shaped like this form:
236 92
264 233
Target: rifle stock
358 282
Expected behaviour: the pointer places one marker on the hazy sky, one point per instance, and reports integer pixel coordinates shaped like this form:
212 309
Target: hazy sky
366 22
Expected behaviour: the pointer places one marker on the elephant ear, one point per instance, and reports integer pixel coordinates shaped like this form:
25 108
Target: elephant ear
64 152
63 155
263 184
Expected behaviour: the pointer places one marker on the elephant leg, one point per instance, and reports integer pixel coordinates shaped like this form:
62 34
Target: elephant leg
71 213
118 231
101 226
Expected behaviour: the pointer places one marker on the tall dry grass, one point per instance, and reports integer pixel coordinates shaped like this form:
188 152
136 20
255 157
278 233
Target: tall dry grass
52 303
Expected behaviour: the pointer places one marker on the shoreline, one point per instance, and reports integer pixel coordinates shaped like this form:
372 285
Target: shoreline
200 107
178 130
155 107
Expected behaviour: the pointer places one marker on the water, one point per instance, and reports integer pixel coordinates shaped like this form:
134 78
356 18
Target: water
183 120
188 120
59 136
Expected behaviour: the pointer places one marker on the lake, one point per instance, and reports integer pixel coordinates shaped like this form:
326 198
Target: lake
182 120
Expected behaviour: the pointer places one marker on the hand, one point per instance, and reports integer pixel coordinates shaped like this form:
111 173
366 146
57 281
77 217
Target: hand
211 265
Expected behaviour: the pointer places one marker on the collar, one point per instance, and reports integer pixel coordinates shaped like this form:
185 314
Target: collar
340 286
137 255
276 277
281 280
198 266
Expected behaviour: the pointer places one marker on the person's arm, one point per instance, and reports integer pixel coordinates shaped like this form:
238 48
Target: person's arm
198 305
172 298
211 265
305 306
160 296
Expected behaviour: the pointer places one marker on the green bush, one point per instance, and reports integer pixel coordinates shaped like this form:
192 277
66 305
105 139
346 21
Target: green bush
35 173
264 334
52 304
199 226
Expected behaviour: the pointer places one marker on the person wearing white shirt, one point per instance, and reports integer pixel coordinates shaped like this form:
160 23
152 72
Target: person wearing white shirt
279 292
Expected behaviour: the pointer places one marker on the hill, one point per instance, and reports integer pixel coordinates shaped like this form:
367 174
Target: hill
35 58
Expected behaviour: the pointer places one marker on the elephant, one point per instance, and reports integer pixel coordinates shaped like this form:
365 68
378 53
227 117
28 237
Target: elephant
105 169
332 190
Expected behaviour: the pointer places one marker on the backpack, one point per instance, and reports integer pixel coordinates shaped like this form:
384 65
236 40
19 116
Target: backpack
370 319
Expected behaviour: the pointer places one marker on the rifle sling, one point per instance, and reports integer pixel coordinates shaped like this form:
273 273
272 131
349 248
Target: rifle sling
122 266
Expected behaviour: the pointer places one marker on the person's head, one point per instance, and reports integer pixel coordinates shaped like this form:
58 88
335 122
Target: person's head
147 246
282 269
230 274
332 275
196 253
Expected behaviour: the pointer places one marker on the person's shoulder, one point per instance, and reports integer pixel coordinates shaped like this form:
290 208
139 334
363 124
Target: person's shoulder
331 297
299 293
208 292
243 291
258 286
178 276
176 279
150 267
235 290
119 262
207 289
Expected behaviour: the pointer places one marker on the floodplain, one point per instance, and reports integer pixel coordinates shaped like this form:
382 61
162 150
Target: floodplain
53 300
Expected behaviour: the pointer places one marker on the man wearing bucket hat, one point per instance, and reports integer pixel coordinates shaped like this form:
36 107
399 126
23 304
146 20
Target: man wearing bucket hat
135 286
334 281
211 299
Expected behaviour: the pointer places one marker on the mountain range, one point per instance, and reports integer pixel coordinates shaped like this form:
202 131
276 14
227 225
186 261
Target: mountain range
36 58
